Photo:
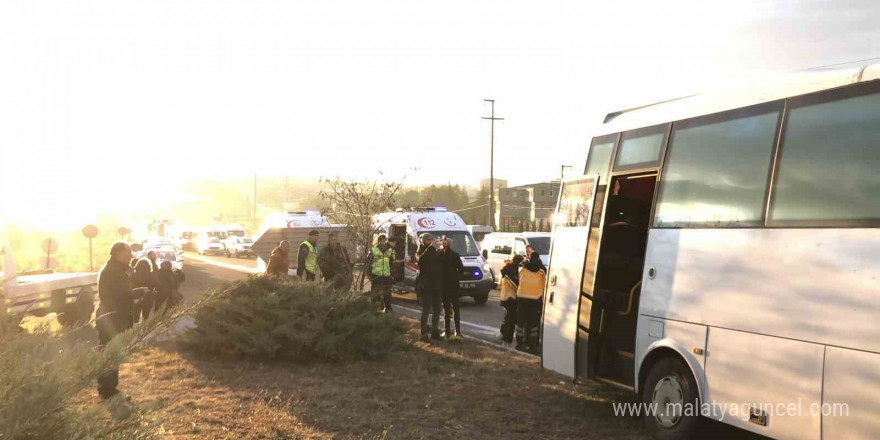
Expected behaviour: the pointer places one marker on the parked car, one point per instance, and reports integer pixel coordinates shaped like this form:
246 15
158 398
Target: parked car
501 246
239 247
172 255
206 245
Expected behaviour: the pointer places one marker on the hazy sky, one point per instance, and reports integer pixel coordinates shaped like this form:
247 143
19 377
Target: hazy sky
179 89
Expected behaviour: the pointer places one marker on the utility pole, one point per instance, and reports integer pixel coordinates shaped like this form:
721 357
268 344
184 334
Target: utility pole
492 120
562 171
255 196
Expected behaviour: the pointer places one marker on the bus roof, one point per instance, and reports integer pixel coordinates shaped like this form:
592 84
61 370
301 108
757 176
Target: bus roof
783 86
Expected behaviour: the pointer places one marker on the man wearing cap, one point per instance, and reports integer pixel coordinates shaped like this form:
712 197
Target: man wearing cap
115 312
307 260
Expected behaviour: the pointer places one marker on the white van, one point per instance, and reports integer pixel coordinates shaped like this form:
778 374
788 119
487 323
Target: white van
500 246
408 225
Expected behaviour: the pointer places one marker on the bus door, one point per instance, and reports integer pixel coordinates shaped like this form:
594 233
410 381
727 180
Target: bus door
568 250
618 278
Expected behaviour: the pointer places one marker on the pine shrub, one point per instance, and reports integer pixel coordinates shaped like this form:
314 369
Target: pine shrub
267 319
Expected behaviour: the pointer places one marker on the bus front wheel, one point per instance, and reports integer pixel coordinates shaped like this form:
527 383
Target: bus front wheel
671 399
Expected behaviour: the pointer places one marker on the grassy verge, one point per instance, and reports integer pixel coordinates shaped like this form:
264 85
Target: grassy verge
426 391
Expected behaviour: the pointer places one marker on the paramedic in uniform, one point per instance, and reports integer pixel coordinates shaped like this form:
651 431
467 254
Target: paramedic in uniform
380 259
307 260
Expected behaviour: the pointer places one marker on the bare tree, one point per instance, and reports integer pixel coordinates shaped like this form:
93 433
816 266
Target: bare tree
354 203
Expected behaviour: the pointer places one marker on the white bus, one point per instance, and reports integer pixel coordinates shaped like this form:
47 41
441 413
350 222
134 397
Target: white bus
725 250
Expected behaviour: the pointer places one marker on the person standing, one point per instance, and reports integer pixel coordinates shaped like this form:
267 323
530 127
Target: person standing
114 314
143 278
509 284
528 302
279 261
379 260
167 287
307 259
430 275
335 264
452 274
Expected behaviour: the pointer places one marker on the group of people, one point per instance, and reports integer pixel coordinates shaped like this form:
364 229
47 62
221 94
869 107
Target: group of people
130 289
437 286
522 289
160 281
440 271
332 260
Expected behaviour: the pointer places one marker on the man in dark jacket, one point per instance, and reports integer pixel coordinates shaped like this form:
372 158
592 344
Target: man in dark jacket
453 270
115 312
334 263
279 262
430 277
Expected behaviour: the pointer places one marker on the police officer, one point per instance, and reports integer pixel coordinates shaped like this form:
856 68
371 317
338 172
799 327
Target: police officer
307 260
380 259
115 312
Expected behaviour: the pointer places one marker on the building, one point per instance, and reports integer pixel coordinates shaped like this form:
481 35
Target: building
526 207
499 183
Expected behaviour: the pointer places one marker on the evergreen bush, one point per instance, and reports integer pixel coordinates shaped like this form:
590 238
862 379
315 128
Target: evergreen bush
267 318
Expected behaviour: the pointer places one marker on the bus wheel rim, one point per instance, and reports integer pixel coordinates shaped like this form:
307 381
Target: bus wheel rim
668 399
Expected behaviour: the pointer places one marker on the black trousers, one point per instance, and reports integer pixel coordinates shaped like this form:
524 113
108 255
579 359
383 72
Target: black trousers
509 324
108 326
431 303
528 316
451 308
309 276
381 289
143 308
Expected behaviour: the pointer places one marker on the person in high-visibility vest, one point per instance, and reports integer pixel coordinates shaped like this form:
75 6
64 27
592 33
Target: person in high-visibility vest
509 284
307 260
380 259
529 295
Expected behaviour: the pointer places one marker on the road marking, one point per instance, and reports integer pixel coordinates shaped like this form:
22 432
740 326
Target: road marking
481 327
474 338
225 265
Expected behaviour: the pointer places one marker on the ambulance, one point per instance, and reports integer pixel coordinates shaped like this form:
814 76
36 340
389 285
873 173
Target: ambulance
408 225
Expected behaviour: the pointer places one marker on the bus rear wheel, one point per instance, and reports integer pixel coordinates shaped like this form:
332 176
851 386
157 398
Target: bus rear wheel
672 401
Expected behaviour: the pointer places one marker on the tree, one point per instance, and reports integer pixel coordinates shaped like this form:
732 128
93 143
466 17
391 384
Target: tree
354 203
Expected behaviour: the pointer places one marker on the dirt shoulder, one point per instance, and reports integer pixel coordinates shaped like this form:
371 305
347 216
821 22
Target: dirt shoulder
445 390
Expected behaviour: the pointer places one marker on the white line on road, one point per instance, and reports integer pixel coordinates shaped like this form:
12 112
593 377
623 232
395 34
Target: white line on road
481 327
225 265
474 338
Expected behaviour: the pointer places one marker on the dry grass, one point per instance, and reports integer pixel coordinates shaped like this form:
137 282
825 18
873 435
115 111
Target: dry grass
443 390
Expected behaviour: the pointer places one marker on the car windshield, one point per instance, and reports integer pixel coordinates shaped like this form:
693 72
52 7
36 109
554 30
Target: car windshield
213 240
186 235
166 255
246 241
217 234
462 242
235 233
541 245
